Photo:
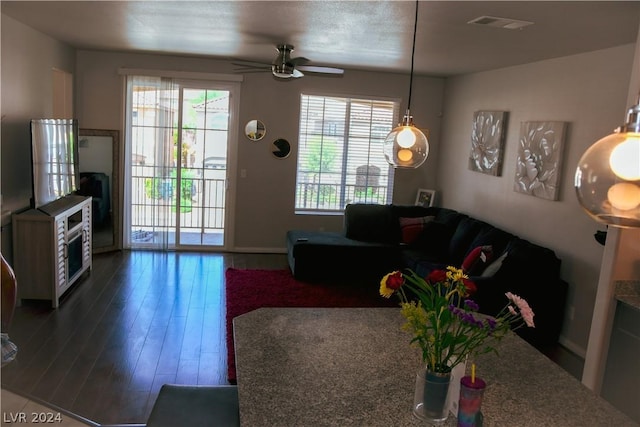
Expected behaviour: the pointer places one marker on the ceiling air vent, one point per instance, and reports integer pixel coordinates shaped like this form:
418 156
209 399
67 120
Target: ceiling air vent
506 23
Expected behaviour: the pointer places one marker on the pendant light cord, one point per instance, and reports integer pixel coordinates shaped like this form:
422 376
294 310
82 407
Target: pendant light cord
413 53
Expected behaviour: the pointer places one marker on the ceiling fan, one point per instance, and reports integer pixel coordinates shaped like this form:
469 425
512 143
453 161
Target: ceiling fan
285 67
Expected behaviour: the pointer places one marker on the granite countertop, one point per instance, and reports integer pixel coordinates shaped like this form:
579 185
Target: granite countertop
354 366
628 292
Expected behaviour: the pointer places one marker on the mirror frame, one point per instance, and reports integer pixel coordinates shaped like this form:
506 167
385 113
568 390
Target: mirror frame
115 184
258 124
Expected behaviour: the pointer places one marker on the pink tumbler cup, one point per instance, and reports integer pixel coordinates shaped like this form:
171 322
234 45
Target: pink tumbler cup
470 400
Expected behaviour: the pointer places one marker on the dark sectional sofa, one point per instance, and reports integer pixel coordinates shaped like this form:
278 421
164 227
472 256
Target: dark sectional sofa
378 239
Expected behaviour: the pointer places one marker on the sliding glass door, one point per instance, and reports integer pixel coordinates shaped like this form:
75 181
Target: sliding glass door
177 163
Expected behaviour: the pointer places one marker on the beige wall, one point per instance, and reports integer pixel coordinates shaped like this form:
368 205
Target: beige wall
28 60
589 91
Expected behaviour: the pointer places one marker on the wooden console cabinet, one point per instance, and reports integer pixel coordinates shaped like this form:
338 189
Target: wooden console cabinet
52 247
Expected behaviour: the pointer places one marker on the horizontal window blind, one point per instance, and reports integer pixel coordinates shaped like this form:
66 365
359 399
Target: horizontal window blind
340 157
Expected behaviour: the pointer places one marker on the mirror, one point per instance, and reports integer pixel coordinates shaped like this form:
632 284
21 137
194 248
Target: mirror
255 130
99 167
281 148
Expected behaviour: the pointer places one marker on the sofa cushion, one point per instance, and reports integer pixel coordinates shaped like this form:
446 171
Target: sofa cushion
434 239
370 223
400 211
477 260
322 255
490 235
449 217
524 260
494 266
460 242
411 228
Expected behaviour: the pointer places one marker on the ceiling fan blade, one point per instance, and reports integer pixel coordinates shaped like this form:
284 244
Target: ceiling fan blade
323 70
251 70
298 61
296 74
251 64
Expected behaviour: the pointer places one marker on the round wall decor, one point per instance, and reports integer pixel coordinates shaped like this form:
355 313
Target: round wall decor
281 148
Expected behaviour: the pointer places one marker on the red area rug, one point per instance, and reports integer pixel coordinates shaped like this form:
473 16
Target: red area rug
247 290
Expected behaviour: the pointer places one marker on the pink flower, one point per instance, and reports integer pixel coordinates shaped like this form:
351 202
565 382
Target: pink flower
523 307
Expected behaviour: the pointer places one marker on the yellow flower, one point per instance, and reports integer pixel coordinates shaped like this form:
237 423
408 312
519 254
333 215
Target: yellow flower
407 309
455 274
415 314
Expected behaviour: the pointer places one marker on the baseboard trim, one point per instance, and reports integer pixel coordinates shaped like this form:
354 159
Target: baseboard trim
572 347
246 250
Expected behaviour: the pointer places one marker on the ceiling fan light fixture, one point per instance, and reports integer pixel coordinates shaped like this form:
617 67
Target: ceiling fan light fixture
282 71
406 146
281 66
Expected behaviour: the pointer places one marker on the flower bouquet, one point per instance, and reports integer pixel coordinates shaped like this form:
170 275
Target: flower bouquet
444 319
445 322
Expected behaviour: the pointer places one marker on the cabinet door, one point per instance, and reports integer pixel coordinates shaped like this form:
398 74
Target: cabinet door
621 383
60 247
86 234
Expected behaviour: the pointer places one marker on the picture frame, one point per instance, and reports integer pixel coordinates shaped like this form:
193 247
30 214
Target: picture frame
425 197
539 162
488 133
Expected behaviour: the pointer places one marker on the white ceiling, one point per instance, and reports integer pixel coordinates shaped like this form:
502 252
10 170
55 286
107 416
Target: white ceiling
370 35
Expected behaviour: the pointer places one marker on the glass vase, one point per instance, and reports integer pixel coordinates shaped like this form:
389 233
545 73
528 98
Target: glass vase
430 402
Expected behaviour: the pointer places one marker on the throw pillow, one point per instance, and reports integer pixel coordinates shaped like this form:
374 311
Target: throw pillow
477 260
411 228
434 239
493 268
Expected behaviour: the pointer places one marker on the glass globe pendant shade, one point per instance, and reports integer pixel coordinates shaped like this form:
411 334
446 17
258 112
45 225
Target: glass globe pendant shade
406 146
607 179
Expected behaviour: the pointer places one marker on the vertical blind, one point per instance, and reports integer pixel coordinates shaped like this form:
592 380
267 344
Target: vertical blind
340 157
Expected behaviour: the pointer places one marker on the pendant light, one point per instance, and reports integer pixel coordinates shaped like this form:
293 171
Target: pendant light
607 179
406 146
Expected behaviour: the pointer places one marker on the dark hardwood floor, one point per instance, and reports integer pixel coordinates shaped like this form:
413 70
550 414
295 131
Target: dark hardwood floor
138 320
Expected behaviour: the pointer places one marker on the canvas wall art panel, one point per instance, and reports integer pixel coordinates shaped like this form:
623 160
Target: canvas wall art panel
487 142
539 159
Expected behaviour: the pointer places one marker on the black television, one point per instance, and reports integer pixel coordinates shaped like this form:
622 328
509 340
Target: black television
54 159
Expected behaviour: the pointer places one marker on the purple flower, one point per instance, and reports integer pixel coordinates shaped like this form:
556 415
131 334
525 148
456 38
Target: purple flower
455 310
491 322
469 318
471 305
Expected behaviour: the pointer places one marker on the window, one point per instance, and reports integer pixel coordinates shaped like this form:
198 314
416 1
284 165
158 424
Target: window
340 158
